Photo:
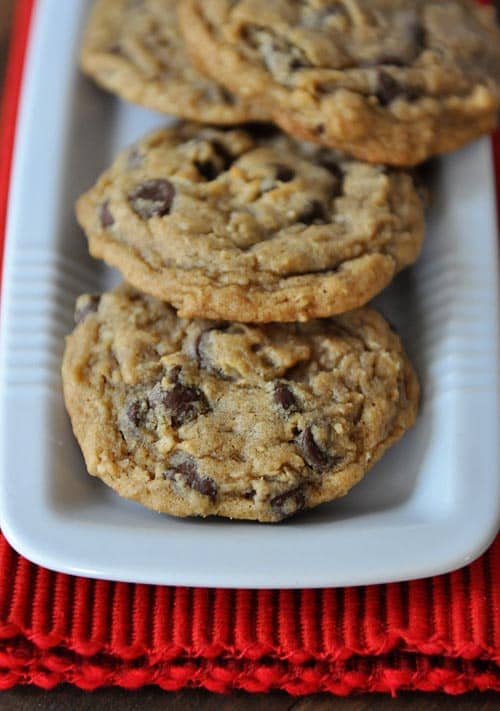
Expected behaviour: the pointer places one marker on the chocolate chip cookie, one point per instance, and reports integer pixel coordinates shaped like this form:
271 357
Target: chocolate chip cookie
386 81
251 226
196 417
134 48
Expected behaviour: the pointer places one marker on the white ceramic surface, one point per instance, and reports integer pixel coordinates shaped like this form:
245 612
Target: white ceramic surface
431 505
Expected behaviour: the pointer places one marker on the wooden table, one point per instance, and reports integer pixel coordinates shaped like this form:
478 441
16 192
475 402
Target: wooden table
153 699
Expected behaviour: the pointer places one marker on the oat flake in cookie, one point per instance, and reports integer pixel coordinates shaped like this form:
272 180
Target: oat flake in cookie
134 48
196 417
391 81
251 226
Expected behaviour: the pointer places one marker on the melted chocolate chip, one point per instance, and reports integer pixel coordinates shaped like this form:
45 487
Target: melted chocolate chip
105 215
136 411
184 403
313 454
152 198
85 306
283 172
183 468
284 397
389 89
313 214
288 503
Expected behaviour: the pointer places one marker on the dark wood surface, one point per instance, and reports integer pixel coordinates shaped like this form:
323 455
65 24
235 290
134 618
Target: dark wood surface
153 699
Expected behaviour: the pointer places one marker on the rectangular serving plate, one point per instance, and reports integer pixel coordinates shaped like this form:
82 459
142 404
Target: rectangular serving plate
431 505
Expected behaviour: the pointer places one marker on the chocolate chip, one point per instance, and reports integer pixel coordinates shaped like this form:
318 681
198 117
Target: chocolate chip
283 172
313 214
184 403
319 129
136 411
105 215
152 198
205 486
284 397
297 63
183 469
313 454
86 305
389 89
288 503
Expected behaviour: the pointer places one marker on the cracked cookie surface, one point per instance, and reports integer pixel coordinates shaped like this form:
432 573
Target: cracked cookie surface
391 81
134 48
196 417
251 226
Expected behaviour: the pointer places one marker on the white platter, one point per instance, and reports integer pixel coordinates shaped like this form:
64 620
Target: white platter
431 505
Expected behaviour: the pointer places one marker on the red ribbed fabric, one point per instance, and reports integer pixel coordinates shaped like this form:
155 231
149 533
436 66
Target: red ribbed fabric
442 633
439 634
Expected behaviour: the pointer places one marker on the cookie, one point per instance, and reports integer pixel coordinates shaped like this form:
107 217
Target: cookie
391 82
199 418
251 226
135 50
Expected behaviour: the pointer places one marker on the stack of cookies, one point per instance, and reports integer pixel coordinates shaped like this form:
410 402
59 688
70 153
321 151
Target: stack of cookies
237 372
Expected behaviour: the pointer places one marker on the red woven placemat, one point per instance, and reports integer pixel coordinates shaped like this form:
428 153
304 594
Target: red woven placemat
441 633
